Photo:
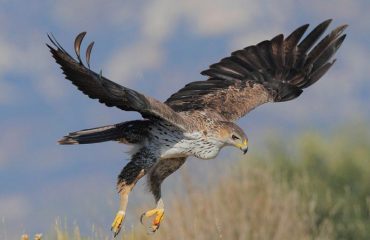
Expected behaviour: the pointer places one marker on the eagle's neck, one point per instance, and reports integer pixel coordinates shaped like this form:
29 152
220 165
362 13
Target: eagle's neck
172 142
206 148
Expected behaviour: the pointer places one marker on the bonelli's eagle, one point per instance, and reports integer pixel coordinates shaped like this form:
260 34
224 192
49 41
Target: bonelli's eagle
198 120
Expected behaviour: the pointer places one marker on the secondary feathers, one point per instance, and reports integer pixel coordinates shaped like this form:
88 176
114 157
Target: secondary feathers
273 70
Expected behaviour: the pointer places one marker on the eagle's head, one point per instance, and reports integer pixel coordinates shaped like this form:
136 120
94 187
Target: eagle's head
231 134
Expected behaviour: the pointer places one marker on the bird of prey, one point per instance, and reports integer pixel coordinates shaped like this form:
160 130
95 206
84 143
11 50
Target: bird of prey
198 120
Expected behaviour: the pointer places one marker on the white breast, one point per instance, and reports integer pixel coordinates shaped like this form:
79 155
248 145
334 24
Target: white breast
171 143
200 148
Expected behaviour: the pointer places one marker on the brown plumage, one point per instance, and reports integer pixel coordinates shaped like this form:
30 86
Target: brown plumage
110 93
198 120
277 70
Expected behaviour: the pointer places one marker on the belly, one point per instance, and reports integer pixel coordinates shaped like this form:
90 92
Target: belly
178 149
173 153
206 153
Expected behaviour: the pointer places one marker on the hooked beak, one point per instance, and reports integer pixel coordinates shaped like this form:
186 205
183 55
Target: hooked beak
245 150
244 146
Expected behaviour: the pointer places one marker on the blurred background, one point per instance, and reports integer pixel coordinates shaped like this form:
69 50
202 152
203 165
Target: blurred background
156 47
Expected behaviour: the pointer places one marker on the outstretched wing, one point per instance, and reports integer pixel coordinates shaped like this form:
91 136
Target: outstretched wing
110 93
274 70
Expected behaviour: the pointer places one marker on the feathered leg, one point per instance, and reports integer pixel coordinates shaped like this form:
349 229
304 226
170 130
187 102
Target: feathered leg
156 175
130 174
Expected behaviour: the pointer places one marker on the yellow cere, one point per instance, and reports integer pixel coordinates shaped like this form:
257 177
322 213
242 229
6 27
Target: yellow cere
245 143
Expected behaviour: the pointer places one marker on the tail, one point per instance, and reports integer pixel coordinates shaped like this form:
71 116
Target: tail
126 132
92 135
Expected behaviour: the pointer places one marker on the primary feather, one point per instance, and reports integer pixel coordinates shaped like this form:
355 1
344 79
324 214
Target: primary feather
273 70
110 93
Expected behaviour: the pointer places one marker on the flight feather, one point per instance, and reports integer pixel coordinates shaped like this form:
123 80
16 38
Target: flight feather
274 70
110 93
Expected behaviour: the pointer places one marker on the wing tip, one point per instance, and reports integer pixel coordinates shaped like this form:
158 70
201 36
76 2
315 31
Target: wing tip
327 21
50 47
67 141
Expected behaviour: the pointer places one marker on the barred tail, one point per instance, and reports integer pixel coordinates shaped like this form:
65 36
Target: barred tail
92 135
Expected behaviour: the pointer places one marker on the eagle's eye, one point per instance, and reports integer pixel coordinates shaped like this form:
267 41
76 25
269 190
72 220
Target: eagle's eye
234 137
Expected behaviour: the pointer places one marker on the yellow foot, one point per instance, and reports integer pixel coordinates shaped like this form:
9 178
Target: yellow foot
117 222
158 213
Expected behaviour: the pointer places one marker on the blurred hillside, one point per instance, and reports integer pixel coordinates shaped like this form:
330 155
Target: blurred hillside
310 187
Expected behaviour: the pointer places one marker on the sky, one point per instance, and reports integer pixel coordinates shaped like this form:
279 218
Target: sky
154 47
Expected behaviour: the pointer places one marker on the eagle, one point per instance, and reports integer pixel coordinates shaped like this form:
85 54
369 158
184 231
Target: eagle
199 119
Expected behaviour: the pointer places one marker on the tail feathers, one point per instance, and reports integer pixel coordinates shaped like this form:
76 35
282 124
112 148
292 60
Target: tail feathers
92 135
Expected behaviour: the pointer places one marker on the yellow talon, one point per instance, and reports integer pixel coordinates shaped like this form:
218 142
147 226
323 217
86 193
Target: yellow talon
158 213
117 222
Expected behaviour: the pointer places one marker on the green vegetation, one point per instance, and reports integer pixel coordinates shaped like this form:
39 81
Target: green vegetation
331 174
316 188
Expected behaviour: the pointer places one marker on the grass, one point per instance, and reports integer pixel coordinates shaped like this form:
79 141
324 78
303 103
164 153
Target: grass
316 188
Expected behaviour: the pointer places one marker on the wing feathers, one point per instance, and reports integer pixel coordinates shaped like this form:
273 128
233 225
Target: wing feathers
88 53
221 74
110 93
317 74
233 67
253 55
324 44
290 45
247 59
273 70
328 53
313 36
309 41
77 44
263 50
292 40
277 52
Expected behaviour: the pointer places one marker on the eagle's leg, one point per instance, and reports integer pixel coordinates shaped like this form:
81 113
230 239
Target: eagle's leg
156 175
127 179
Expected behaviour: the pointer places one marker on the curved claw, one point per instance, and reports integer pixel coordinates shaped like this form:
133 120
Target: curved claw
158 213
77 44
117 223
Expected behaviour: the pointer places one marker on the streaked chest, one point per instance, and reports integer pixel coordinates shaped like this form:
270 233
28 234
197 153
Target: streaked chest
171 142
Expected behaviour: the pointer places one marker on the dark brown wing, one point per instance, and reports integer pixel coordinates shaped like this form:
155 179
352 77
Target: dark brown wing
274 70
110 93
